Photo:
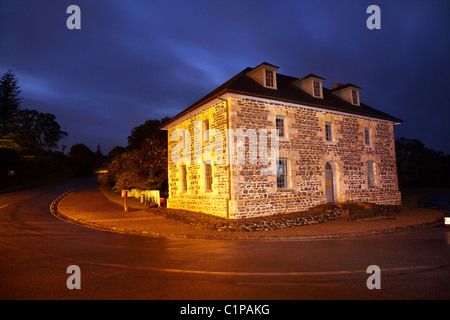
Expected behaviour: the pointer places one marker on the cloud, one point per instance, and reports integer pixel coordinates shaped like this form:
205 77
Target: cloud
140 60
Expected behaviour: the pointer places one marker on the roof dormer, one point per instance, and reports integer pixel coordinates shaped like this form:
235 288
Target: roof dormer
348 92
265 74
311 84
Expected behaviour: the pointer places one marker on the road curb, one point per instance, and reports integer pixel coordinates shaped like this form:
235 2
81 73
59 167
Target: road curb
54 209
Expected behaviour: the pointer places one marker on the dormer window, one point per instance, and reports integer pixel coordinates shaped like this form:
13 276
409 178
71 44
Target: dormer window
347 92
265 74
355 99
317 89
269 78
311 84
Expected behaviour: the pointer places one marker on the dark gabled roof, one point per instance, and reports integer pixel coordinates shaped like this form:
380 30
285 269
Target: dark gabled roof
308 76
342 86
286 92
266 64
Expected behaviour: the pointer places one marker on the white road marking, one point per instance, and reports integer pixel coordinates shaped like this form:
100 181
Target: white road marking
3 206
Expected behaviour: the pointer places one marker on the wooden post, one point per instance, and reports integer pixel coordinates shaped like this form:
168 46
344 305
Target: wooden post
125 197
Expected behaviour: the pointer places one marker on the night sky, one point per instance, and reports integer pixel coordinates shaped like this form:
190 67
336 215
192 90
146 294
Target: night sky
138 60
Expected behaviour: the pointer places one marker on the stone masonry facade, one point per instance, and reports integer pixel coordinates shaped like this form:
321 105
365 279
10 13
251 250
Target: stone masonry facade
195 197
240 190
307 152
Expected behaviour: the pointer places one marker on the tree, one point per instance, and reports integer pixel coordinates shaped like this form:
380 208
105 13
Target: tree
39 131
149 129
9 141
152 166
145 168
82 158
143 164
100 158
116 151
418 165
9 102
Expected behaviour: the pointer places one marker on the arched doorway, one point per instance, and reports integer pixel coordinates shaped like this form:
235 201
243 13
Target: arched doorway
329 183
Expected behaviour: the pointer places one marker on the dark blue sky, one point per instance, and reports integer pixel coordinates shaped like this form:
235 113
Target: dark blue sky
138 60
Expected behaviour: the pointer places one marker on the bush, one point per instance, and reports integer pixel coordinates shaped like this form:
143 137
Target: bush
144 168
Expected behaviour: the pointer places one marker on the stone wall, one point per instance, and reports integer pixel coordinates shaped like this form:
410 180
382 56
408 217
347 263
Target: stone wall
239 190
308 152
196 198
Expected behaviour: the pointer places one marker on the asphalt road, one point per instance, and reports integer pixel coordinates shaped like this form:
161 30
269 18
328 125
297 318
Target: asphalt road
440 201
36 249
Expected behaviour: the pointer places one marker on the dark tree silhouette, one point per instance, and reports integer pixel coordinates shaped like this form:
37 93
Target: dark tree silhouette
9 102
39 131
418 165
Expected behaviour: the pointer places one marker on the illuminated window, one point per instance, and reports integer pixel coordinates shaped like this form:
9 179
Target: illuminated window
282 173
280 126
367 136
328 134
370 174
205 130
269 78
183 139
316 89
208 177
183 178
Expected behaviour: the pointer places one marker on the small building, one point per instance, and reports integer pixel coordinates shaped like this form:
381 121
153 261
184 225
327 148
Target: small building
265 143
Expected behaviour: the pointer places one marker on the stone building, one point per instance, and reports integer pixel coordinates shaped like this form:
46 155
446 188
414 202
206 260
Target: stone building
265 143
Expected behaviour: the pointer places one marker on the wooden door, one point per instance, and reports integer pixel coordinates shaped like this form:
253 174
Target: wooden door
329 190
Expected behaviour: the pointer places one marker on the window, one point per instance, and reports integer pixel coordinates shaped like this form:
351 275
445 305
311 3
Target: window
183 178
354 97
280 126
367 136
328 135
282 173
205 128
183 139
316 85
370 174
208 177
269 78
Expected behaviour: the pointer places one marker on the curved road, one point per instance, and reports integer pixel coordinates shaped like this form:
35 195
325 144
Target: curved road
36 249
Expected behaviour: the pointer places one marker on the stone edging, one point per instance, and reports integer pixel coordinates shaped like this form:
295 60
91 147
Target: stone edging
333 214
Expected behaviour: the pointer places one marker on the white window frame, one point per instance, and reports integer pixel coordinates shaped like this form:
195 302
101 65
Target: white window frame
283 119
285 178
205 128
355 96
208 181
183 139
367 138
319 89
329 135
269 78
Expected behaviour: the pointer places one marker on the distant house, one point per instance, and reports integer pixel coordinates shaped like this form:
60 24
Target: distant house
265 143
